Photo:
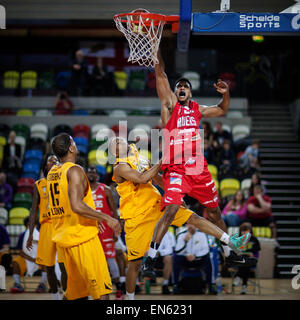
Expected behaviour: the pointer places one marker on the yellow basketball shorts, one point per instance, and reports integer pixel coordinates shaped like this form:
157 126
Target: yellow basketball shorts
139 230
46 252
22 265
87 270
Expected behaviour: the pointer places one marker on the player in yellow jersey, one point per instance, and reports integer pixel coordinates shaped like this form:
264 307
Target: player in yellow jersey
75 224
46 252
140 207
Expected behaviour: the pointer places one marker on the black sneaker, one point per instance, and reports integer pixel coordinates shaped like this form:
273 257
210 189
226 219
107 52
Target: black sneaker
165 289
147 268
239 261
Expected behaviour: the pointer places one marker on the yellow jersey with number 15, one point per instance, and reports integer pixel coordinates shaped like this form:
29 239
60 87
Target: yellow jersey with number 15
69 228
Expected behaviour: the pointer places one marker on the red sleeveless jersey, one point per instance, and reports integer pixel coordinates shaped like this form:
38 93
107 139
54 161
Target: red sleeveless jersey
182 141
102 205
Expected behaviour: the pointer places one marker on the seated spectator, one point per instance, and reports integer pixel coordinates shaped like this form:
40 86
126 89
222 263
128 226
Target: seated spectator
235 211
79 77
259 208
12 160
165 253
220 135
99 78
192 251
209 153
208 133
24 263
6 192
63 105
251 250
5 256
255 180
226 159
249 160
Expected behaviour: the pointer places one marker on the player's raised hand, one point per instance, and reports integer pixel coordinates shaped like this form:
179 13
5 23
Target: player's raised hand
221 86
114 224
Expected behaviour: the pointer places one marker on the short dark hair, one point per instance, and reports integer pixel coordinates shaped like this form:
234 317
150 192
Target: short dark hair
44 166
61 144
183 79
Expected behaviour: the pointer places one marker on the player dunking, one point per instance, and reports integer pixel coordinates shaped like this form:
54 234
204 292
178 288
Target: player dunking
179 112
140 204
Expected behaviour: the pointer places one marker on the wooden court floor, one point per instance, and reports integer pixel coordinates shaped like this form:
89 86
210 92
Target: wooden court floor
271 289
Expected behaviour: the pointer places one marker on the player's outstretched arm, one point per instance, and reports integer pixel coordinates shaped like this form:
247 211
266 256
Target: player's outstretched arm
77 187
33 216
221 108
163 89
123 170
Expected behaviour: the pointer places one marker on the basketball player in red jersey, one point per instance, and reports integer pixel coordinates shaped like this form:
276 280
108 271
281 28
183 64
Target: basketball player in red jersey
104 202
180 117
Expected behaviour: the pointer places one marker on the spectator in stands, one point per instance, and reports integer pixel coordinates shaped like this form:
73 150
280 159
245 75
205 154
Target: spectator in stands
12 154
208 133
252 250
5 256
63 104
79 77
220 135
164 259
259 208
226 158
255 180
100 78
192 251
6 192
235 210
24 263
209 153
249 160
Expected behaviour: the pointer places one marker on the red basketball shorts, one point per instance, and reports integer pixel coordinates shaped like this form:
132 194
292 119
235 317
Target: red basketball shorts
200 187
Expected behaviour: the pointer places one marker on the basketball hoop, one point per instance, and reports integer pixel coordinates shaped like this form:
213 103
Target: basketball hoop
143 31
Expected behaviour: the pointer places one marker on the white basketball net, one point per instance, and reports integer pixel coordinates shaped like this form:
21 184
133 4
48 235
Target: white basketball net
143 40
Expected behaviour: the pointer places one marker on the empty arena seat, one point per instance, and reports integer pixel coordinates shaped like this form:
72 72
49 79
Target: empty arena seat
22 199
28 79
24 113
39 130
81 130
262 232
35 144
3 141
143 126
21 129
43 113
63 79
137 80
4 130
22 142
82 144
62 128
213 170
31 171
17 215
80 112
245 185
121 79
194 78
11 79
46 80
100 130
14 230
34 156
97 157
240 131
3 216
118 114
25 185
234 114
229 187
